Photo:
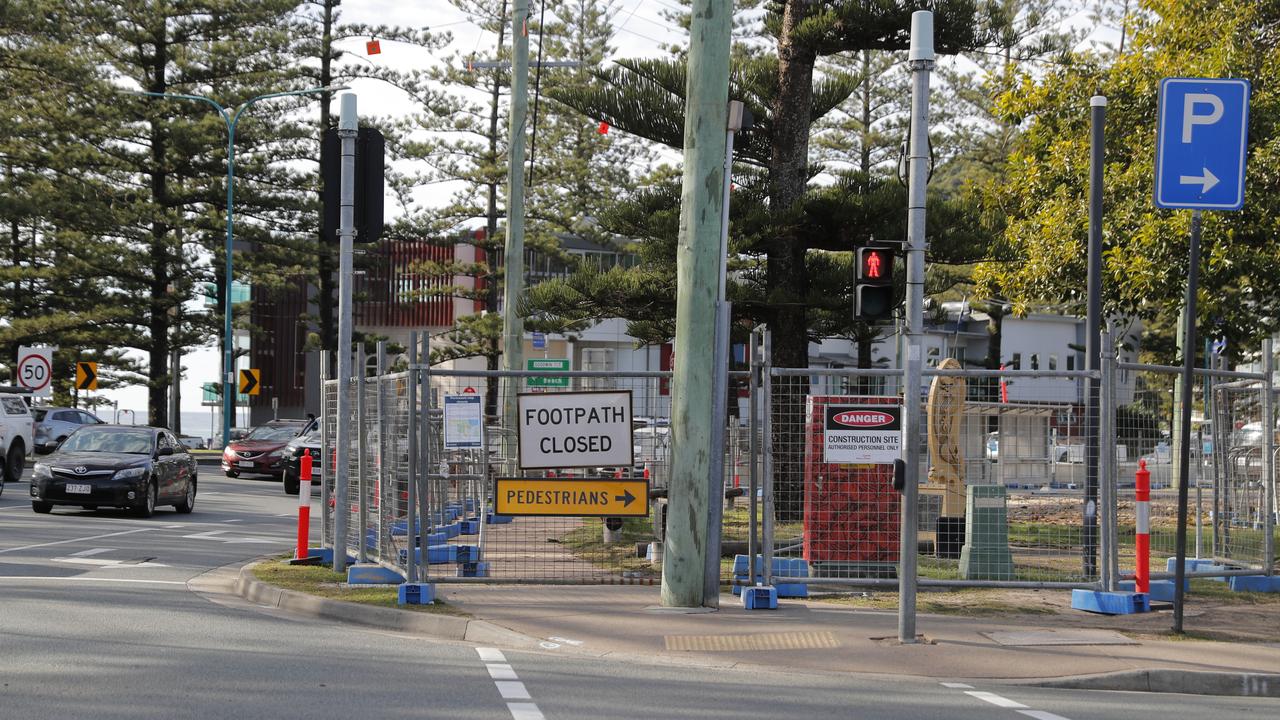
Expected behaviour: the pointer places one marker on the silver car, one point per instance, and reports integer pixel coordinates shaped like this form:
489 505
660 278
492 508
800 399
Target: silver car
54 424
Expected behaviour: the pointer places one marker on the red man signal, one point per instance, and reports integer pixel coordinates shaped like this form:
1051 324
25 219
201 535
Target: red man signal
873 292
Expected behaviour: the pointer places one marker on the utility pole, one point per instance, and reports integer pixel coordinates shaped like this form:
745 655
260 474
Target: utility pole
920 59
697 270
348 128
513 256
1092 334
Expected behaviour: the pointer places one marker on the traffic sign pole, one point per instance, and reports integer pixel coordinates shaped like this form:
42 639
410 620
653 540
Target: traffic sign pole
1188 362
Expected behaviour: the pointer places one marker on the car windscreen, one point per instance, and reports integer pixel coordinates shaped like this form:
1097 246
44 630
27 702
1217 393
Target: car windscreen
90 439
279 433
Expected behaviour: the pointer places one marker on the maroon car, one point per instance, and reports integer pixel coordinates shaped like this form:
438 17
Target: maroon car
262 451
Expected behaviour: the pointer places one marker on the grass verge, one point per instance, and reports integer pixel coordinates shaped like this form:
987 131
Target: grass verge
967 602
322 581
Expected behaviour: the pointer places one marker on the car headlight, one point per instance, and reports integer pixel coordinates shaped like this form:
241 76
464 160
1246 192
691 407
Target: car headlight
41 472
133 472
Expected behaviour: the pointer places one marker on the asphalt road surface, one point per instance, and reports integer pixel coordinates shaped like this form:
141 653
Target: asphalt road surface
98 620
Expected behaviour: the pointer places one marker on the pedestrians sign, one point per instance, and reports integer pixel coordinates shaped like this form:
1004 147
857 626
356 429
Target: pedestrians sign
554 364
1202 135
539 341
572 497
250 381
35 370
583 429
86 376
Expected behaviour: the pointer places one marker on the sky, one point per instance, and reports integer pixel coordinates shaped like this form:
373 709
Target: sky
640 29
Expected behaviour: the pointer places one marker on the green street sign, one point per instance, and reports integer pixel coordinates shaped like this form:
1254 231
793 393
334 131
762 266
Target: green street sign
552 364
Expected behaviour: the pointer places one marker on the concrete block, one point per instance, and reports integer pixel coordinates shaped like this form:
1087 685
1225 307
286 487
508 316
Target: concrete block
1110 603
416 594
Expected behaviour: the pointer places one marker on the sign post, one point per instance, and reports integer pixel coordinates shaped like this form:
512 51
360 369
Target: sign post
35 370
1202 138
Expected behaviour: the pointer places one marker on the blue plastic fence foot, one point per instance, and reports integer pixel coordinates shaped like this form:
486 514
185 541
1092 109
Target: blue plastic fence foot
372 575
1255 583
1161 590
1110 603
416 594
760 597
473 569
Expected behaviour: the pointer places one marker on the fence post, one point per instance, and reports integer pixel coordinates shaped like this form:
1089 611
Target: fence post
753 452
424 464
325 448
362 438
1268 454
1106 462
380 491
767 511
412 531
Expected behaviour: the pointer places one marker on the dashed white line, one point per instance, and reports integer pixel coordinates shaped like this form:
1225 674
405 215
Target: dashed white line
509 686
82 578
1041 715
994 699
91 551
74 540
1002 702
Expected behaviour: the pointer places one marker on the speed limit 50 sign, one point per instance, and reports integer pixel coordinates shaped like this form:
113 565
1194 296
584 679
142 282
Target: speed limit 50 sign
35 370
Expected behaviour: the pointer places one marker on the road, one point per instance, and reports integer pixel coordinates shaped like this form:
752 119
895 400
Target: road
100 618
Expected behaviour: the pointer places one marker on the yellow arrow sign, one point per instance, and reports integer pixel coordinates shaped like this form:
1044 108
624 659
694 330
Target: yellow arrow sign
572 497
86 376
250 381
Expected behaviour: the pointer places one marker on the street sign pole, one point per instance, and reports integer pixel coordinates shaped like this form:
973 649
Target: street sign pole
1202 141
1188 380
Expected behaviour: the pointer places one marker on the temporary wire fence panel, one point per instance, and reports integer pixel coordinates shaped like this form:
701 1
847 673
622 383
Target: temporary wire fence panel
1010 505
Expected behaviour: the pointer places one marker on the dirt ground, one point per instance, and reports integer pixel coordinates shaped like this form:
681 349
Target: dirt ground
1212 611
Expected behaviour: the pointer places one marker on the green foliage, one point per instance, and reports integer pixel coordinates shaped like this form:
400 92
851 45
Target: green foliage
1042 200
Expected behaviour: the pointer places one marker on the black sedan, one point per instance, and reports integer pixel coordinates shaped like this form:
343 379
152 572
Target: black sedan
116 466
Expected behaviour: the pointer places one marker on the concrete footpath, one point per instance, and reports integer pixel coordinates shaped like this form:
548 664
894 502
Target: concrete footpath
626 622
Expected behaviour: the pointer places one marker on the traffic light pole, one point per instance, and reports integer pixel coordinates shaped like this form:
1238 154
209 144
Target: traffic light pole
921 60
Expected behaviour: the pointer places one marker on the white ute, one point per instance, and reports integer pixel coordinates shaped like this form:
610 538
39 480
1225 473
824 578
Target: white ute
15 437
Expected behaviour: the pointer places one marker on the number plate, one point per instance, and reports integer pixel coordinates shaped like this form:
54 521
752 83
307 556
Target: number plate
79 489
246 463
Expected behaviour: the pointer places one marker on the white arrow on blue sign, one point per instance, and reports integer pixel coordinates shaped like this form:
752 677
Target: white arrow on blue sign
1202 136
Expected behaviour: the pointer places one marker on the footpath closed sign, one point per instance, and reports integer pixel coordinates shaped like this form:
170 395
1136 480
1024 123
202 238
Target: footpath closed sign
581 429
868 434
559 497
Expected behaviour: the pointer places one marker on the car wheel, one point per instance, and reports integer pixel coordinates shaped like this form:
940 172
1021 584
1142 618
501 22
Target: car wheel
41 507
232 474
14 461
291 484
148 506
189 502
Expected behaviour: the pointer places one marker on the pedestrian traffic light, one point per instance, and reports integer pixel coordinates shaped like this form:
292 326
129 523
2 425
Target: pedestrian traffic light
873 292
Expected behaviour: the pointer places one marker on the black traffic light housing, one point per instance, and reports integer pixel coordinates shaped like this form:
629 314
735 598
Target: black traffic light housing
873 298
369 183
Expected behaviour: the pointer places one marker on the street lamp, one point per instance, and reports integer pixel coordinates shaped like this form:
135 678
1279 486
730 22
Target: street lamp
231 120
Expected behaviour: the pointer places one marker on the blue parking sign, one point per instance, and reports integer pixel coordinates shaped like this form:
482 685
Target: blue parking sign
1202 135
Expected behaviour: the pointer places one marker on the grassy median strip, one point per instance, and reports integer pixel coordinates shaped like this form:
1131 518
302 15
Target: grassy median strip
322 581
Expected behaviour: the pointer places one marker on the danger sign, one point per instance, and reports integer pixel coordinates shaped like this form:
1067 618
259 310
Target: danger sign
583 429
862 434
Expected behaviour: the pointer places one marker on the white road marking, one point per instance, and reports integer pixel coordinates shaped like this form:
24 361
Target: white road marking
233 520
509 686
93 551
501 671
525 711
82 578
217 535
74 540
1004 702
1041 715
105 563
994 699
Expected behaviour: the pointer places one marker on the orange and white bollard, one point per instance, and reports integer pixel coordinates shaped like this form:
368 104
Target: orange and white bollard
304 504
1142 536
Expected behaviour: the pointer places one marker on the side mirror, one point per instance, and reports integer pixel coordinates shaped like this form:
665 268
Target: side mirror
164 451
